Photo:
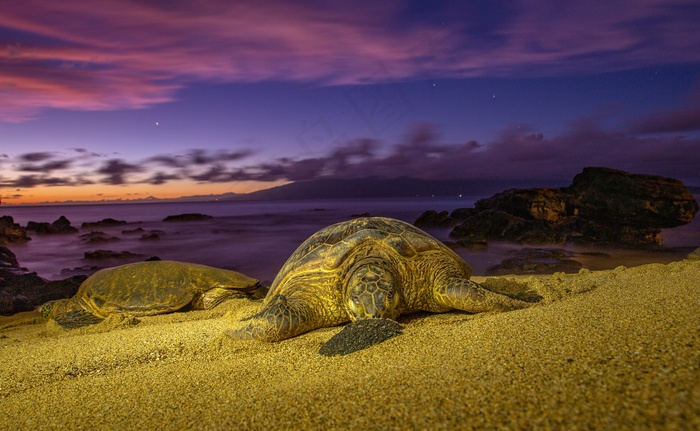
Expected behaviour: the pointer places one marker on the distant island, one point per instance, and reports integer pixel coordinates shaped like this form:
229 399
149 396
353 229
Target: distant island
377 187
350 188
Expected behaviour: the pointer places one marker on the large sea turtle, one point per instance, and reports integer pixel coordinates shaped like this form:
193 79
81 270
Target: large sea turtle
367 268
147 288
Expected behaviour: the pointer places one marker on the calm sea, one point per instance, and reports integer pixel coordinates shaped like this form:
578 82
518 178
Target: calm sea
257 237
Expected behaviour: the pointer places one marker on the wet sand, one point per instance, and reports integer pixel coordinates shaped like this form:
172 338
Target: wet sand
615 349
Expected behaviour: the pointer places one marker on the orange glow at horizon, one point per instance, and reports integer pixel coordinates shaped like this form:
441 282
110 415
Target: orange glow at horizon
104 192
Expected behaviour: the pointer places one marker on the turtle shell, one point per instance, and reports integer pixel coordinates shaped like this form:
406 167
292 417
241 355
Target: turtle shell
327 249
141 289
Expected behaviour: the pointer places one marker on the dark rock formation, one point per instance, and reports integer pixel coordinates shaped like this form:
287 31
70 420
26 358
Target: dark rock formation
536 261
11 232
138 230
59 227
97 237
109 254
188 217
108 222
8 260
21 290
607 196
433 218
152 236
602 206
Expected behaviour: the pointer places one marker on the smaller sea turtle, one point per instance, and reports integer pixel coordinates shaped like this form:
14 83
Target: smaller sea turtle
148 288
368 268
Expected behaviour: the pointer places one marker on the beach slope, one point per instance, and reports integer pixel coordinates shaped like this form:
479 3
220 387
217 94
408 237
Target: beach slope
615 349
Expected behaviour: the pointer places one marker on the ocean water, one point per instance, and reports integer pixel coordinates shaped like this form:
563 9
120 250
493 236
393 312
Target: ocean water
256 238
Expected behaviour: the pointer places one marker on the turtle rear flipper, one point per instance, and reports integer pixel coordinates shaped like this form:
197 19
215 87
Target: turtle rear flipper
472 297
76 319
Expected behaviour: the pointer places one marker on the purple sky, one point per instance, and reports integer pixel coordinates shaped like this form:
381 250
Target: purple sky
129 99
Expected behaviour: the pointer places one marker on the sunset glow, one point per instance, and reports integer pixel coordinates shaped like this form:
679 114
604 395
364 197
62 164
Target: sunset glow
133 99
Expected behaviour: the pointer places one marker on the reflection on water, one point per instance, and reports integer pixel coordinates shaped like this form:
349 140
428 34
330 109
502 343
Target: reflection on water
257 237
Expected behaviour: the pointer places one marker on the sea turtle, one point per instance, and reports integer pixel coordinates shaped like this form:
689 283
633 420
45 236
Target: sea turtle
147 288
367 268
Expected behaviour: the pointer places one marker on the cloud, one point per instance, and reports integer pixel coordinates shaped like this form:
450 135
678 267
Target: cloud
46 167
30 181
36 157
116 171
64 55
674 121
518 155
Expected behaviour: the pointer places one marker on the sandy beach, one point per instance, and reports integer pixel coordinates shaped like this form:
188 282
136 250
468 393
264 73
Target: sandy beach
615 349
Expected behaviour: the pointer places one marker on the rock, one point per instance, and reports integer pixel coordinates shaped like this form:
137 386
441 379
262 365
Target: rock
80 270
434 219
109 254
108 222
60 226
27 291
97 237
461 214
187 217
360 335
23 291
11 232
153 236
138 230
602 206
8 260
11 304
529 204
608 196
536 261
487 224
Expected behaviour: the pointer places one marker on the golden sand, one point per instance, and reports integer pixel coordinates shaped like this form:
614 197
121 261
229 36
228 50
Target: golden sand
604 350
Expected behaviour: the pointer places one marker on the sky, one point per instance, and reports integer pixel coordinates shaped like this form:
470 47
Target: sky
116 99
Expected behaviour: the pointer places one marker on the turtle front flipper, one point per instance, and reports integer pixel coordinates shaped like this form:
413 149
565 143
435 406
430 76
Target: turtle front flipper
472 297
281 319
76 319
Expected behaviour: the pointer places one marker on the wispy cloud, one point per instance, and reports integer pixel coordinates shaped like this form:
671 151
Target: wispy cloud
518 154
134 54
685 119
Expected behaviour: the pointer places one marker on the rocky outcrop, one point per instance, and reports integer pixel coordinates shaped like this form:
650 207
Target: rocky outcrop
108 222
606 196
97 237
59 227
434 219
21 290
109 254
11 232
187 217
602 206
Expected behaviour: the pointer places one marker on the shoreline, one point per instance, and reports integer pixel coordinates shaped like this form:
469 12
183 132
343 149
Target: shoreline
604 350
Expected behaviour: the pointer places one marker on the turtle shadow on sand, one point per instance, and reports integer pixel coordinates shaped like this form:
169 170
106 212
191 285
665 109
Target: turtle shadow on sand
370 268
145 289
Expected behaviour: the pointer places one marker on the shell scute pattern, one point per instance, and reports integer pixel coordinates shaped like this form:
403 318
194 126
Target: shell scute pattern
366 268
148 288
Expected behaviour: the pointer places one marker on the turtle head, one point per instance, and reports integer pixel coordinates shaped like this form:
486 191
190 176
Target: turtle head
47 310
52 308
372 293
